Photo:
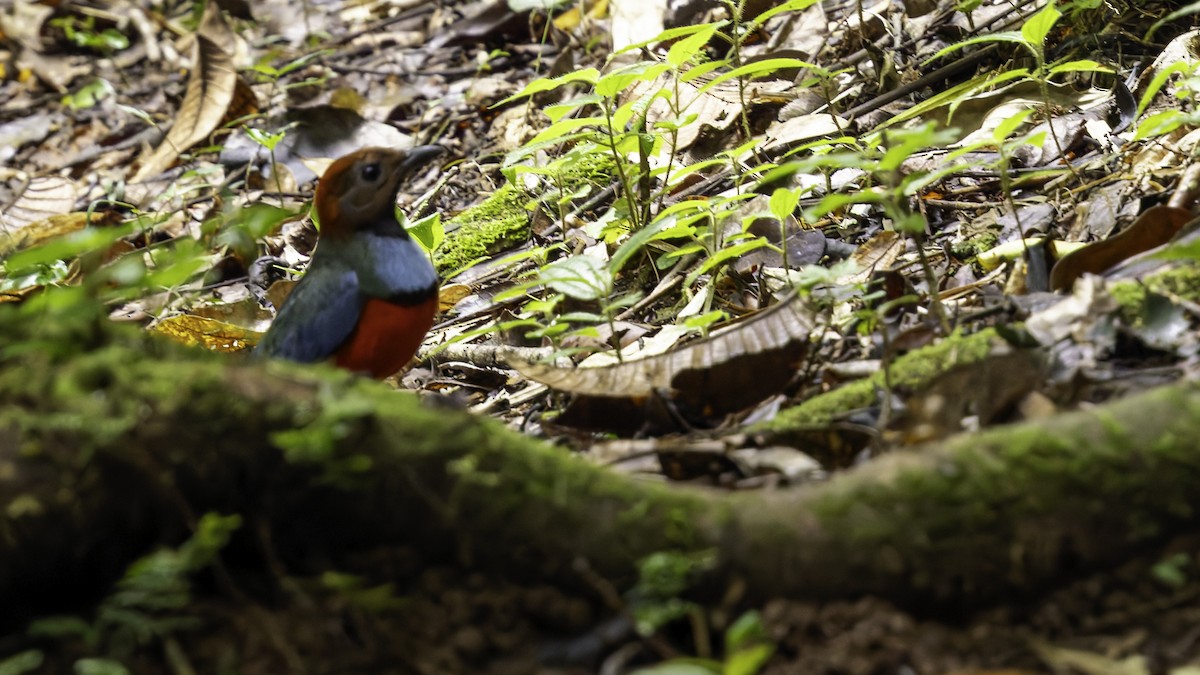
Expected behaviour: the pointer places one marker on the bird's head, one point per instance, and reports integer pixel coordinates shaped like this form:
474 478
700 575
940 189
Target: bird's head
359 190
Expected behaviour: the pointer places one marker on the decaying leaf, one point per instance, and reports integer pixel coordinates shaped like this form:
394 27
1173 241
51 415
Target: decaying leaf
975 394
790 463
879 253
211 91
43 230
42 198
1063 660
210 333
1153 228
791 132
450 294
804 246
635 21
26 131
728 371
485 20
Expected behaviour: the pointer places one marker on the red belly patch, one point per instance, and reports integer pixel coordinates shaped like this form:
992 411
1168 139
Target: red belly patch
386 337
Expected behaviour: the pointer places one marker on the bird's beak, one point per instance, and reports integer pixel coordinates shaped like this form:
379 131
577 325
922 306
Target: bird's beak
418 157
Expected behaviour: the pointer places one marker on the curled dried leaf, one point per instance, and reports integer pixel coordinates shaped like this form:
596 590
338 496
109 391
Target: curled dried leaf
1157 226
211 92
727 371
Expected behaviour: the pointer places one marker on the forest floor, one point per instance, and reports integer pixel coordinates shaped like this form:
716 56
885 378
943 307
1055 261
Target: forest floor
202 133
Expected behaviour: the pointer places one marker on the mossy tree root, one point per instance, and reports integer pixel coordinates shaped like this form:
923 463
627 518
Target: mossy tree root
106 452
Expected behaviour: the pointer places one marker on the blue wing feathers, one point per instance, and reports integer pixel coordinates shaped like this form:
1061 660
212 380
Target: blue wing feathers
318 317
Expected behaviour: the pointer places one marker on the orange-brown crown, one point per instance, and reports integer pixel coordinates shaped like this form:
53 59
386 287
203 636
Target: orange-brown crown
360 188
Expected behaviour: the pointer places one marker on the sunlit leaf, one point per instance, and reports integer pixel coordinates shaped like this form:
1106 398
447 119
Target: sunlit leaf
428 231
581 277
588 75
1082 65
783 203
686 49
208 333
673 34
1037 27
617 81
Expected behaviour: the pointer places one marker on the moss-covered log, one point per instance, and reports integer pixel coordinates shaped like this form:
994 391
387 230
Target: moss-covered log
110 443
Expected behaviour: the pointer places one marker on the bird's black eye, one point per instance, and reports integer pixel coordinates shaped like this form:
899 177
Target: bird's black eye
370 172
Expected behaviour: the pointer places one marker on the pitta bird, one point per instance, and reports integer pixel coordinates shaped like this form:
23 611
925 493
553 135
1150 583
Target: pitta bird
370 293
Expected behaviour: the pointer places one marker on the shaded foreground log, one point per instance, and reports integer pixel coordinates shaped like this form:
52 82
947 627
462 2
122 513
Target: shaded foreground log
110 443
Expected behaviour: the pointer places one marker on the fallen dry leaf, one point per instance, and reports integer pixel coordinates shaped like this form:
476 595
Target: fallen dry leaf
1157 226
215 335
728 371
211 91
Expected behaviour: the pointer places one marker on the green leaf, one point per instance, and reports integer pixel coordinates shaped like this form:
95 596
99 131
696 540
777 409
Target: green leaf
956 94
264 138
727 253
1009 125
790 6
59 627
581 277
904 143
258 219
583 317
588 75
783 203
764 67
299 63
558 131
1038 26
512 159
677 123
621 117
552 331
746 631
39 275
1179 13
1162 122
668 224
672 34
429 231
686 49
89 95
178 264
909 223
703 321
100 667
833 202
702 69
23 662
1172 571
682 667
615 82
748 661
1082 65
635 242
558 110
69 246
1160 78
542 306
1003 36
